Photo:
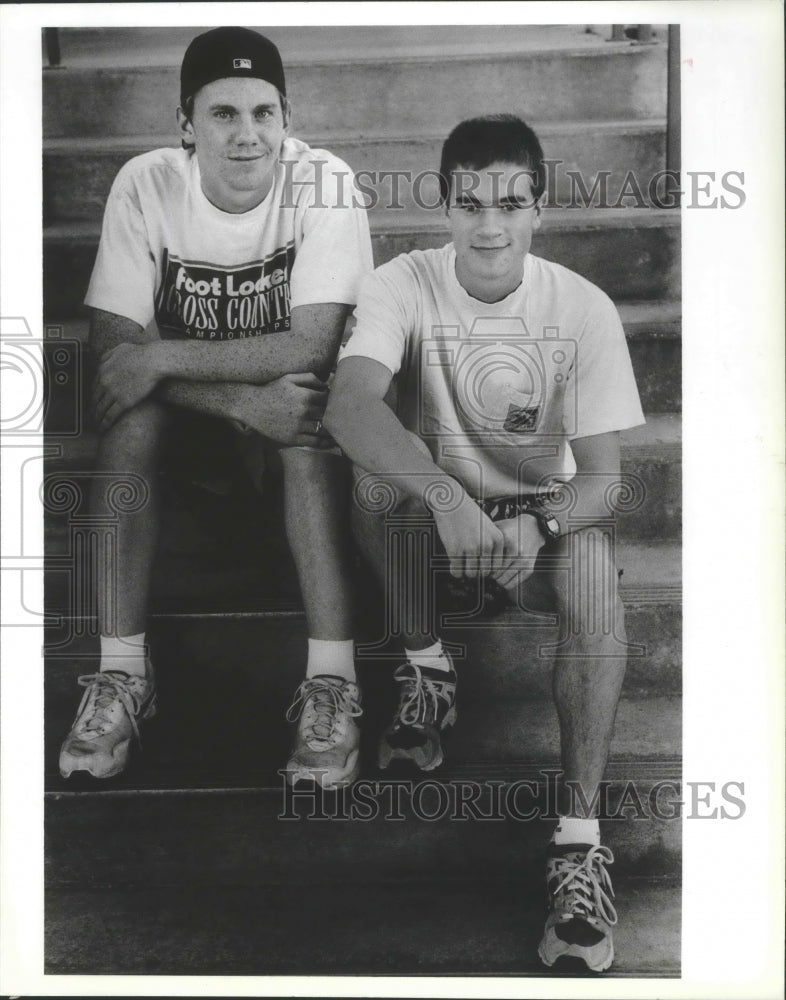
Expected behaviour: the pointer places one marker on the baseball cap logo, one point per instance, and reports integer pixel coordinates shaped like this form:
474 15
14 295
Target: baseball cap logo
241 63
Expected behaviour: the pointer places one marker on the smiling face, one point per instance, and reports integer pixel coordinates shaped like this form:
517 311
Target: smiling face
237 129
492 216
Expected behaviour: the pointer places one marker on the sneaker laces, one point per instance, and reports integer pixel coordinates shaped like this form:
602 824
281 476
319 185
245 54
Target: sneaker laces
328 699
420 696
105 689
585 885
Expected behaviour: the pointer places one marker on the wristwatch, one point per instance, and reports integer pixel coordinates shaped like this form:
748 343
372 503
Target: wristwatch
548 524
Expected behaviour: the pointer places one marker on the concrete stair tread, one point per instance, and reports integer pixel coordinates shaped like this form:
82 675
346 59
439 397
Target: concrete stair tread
265 834
660 436
241 617
244 783
632 254
90 100
651 318
660 318
490 930
78 172
110 48
132 144
190 743
79 230
646 564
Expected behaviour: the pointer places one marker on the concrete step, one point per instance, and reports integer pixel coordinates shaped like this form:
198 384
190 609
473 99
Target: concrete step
650 511
653 331
597 81
632 254
651 572
78 173
505 713
164 46
406 829
375 928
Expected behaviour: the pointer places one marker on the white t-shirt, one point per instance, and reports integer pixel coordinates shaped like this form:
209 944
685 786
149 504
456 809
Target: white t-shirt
168 253
497 390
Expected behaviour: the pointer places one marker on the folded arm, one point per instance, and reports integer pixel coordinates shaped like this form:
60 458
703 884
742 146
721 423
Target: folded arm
285 409
310 345
133 361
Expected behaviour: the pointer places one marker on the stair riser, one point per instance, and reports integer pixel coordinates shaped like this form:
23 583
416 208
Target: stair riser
503 662
657 365
241 839
164 46
76 184
656 479
338 98
627 263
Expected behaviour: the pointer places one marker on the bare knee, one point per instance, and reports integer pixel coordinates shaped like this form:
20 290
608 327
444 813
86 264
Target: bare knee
586 584
133 440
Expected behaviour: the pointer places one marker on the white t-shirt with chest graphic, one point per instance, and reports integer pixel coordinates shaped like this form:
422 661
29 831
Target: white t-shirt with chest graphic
497 390
167 253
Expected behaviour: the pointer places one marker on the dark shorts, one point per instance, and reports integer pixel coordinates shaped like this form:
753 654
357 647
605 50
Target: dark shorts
210 451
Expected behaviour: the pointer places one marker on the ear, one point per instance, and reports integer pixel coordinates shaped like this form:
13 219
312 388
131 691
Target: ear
286 112
537 220
186 128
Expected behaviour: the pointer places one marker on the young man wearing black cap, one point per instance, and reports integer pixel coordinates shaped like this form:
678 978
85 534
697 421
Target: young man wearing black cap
512 380
224 276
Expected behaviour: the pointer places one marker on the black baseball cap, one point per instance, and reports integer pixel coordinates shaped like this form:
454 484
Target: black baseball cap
225 52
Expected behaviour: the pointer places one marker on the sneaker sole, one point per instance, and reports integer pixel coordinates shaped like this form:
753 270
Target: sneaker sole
577 951
386 753
326 778
86 765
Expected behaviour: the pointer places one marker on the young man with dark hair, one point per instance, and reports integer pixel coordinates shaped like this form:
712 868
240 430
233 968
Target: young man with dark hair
512 381
224 277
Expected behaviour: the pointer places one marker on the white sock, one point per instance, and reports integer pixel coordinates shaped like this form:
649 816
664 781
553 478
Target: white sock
433 657
126 653
331 656
572 830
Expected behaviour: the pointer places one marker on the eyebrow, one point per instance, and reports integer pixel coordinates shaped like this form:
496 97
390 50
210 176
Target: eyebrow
468 199
231 107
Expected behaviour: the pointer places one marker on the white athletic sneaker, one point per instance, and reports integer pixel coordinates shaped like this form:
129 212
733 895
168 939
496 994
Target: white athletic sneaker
327 743
108 717
581 913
